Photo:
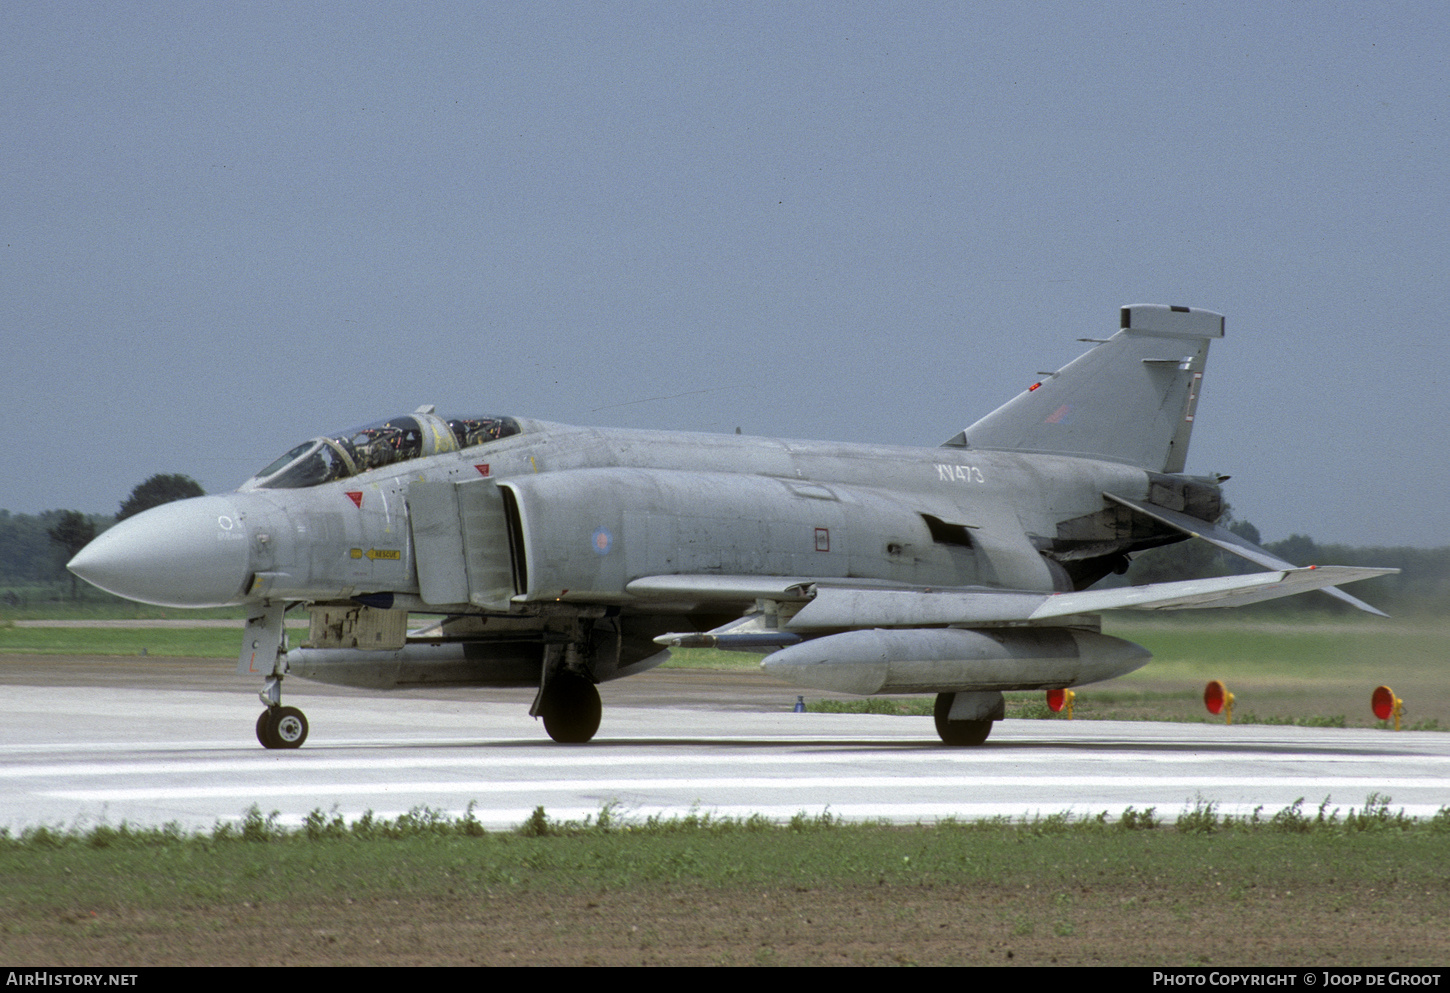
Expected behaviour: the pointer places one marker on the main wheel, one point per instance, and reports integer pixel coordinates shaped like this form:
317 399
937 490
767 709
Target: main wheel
571 709
282 727
958 732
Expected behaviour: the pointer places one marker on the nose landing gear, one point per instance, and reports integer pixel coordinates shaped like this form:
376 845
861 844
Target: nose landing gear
263 645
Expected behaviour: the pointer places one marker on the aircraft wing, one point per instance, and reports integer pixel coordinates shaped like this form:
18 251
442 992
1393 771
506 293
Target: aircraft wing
1228 541
835 607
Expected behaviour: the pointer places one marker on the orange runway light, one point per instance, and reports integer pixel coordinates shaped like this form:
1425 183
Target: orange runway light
1385 705
1219 700
1059 699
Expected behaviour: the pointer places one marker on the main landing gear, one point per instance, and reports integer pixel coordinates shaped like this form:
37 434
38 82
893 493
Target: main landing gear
282 727
967 718
571 709
567 699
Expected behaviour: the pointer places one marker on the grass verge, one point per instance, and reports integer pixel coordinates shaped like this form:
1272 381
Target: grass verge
170 642
426 888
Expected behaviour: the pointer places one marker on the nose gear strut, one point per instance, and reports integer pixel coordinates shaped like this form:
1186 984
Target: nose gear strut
263 645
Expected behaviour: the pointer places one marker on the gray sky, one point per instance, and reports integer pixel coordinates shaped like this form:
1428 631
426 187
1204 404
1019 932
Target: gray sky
230 227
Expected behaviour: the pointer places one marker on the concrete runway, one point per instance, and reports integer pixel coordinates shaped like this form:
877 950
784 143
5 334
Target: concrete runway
154 741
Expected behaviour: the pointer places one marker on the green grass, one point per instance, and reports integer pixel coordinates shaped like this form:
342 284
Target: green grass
256 859
174 642
911 706
712 658
1288 647
428 889
53 603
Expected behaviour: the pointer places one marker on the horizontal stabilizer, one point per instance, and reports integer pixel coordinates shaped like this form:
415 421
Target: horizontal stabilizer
1228 541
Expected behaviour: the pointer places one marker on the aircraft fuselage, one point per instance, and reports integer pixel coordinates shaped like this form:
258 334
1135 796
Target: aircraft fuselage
602 507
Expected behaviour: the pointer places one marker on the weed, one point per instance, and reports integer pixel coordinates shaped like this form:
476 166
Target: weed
996 823
126 836
257 828
913 707
804 822
43 837
1291 819
363 826
469 826
1440 823
1376 816
1302 721
537 826
1202 819
1034 710
318 826
1133 820
423 822
1058 823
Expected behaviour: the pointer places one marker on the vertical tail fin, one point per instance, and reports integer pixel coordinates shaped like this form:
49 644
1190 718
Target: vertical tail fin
1131 398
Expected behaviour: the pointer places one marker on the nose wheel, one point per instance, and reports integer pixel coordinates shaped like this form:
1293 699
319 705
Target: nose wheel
282 727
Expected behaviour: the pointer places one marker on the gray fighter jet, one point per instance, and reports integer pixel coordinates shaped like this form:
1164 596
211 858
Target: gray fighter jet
562 557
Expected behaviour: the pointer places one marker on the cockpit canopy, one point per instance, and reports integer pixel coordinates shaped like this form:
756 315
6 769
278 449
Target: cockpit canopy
372 446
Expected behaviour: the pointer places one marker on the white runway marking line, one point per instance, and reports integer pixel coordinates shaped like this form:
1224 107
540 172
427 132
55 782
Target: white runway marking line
254 790
291 764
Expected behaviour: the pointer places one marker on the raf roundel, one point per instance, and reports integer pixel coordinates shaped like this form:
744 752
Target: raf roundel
602 541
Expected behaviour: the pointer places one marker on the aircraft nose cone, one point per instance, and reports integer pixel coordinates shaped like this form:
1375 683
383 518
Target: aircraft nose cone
191 553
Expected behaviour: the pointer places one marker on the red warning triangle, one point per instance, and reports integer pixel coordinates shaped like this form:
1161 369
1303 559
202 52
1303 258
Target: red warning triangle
356 497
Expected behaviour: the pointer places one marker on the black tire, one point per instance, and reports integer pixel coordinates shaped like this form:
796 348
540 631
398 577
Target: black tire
264 730
571 710
282 727
958 732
